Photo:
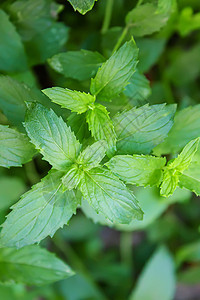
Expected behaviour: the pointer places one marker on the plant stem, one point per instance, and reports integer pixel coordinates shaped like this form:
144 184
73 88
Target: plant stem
120 39
107 17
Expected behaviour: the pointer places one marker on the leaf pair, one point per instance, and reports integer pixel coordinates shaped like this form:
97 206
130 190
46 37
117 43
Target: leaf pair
51 203
108 83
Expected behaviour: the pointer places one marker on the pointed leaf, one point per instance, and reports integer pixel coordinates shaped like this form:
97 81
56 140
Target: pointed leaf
115 73
109 196
142 170
139 130
40 212
82 6
101 125
186 127
80 65
51 136
158 278
170 182
31 265
12 54
15 148
75 101
73 177
92 155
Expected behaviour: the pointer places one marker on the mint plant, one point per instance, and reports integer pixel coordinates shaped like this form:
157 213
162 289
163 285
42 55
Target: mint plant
103 125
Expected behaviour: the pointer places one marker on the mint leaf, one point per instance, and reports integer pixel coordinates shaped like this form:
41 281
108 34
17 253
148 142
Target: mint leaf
73 177
139 130
51 136
82 6
186 127
109 196
31 265
138 88
80 65
147 18
176 167
75 101
15 148
36 23
40 212
92 155
183 161
12 54
190 182
188 21
115 73
152 274
170 182
142 170
101 125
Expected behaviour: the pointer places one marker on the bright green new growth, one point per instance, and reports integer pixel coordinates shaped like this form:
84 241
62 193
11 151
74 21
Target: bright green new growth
115 73
176 167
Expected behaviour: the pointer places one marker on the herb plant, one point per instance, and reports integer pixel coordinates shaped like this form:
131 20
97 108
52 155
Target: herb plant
105 125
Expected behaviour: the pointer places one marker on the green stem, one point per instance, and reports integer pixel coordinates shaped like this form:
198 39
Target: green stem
75 262
120 39
107 17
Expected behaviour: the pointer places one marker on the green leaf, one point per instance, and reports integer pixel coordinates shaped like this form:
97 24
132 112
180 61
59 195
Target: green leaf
151 203
176 167
150 50
31 265
190 182
186 127
170 182
147 18
51 135
41 34
73 177
11 188
188 253
13 96
92 155
138 169
80 65
139 130
101 125
183 161
188 21
138 89
82 6
75 101
15 148
12 54
109 196
40 212
115 73
158 278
